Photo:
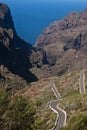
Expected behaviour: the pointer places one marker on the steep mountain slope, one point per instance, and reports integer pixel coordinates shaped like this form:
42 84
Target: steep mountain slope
17 58
16 54
65 42
72 101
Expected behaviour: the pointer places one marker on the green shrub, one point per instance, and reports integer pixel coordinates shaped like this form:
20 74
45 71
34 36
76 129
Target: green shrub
77 122
18 113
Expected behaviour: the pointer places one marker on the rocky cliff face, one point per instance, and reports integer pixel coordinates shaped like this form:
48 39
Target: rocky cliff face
16 54
65 42
61 47
7 30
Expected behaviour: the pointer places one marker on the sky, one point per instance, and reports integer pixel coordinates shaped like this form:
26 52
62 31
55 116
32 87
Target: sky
42 1
45 0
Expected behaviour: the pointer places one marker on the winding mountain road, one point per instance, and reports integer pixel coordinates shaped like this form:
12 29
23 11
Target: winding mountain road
61 114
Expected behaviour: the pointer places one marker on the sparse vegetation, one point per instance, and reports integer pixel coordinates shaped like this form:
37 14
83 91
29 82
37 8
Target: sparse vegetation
72 102
77 122
41 94
16 113
25 105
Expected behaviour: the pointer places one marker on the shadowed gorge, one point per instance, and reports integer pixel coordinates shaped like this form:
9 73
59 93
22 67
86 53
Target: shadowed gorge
14 52
32 78
61 47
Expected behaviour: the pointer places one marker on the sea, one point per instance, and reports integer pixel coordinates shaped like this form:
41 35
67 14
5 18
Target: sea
31 17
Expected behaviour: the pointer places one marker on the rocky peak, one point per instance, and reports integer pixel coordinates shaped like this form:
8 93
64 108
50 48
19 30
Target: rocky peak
64 40
5 17
7 29
64 30
14 52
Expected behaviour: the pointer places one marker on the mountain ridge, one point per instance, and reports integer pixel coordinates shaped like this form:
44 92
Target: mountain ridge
16 54
60 48
65 42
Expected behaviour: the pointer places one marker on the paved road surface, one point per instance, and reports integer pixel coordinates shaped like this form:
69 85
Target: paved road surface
61 115
82 82
55 91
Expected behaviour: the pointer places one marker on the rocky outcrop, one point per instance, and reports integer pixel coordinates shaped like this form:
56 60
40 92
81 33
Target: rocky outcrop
7 29
65 42
65 30
16 54
60 48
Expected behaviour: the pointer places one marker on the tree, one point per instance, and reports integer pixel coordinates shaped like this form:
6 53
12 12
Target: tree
4 101
20 115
